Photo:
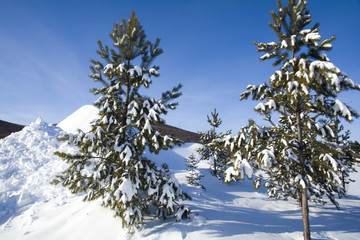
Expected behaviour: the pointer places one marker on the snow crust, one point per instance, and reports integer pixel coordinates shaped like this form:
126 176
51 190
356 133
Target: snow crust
31 208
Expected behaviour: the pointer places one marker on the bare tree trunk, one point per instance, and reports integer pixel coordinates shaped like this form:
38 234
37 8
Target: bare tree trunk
305 214
304 198
215 167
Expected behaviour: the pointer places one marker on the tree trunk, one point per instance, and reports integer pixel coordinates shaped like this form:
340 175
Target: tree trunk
305 214
215 167
304 197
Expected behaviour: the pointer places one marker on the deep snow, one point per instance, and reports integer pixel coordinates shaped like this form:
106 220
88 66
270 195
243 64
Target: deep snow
31 208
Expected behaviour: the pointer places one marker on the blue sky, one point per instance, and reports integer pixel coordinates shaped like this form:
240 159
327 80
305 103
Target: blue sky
45 47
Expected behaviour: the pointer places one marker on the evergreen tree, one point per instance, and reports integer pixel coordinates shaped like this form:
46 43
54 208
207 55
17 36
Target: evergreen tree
110 163
194 176
304 152
212 150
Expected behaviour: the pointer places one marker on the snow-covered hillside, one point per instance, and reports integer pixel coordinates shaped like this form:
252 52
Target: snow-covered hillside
80 119
31 208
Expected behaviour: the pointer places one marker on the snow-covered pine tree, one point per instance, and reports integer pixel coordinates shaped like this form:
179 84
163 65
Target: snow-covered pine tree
304 152
193 176
242 148
211 149
110 162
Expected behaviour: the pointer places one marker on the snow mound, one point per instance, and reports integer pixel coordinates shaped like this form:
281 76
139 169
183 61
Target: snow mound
27 165
80 119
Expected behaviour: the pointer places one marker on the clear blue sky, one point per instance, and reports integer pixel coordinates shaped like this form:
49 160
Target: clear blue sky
45 47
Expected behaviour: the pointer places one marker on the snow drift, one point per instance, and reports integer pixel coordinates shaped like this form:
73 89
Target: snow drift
27 166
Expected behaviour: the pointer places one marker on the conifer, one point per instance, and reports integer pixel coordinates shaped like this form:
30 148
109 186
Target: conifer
305 151
212 150
109 163
193 176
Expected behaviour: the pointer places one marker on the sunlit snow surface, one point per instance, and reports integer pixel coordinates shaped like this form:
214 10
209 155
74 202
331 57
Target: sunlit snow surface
31 208
80 119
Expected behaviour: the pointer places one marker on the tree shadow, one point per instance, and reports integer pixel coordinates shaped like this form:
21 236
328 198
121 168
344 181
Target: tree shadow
230 216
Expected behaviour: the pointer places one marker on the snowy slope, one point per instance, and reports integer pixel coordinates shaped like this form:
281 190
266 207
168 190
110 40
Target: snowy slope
80 119
31 208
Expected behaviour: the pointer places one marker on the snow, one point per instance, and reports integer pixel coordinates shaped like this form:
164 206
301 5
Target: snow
342 109
31 208
241 169
327 46
267 156
302 63
265 56
293 85
121 67
153 114
127 187
260 107
126 154
322 65
314 37
147 126
153 71
80 119
330 131
27 164
328 157
138 70
108 67
293 39
284 44
146 78
271 104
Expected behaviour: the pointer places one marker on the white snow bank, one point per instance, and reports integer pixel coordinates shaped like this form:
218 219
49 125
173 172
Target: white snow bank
80 119
27 165
74 220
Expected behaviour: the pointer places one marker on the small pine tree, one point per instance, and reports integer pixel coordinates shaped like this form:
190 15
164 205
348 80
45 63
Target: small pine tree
211 149
110 163
303 153
167 188
194 176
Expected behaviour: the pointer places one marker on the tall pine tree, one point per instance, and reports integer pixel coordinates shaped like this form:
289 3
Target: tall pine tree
305 152
109 163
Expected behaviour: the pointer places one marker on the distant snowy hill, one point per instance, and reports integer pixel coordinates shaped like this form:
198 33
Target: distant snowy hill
80 119
31 208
